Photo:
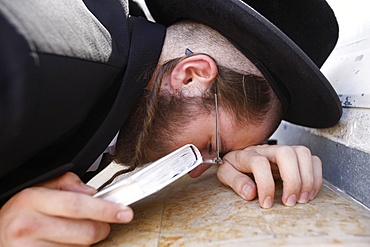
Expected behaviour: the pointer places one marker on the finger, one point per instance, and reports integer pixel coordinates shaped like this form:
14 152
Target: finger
72 232
248 161
69 182
306 172
262 173
49 244
286 159
317 177
78 206
41 230
41 243
239 182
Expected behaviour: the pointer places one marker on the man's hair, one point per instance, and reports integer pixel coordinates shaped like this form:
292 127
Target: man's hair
238 76
242 92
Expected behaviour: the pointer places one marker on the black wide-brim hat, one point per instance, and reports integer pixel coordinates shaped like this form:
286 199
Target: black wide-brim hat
288 40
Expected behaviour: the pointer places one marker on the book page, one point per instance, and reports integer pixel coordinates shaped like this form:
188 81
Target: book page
152 177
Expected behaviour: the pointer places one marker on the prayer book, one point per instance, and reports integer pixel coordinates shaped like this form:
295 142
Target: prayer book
152 177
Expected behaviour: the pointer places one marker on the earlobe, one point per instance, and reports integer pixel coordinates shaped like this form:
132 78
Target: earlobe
194 73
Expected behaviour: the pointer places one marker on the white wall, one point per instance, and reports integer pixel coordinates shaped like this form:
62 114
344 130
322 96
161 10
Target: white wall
348 69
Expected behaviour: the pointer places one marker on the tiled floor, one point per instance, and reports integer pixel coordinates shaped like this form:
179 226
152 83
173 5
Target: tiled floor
203 212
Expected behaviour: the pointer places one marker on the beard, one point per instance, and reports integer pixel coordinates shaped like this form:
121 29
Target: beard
172 115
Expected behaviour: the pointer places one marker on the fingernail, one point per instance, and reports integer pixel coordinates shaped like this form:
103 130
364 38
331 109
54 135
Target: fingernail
291 200
246 190
303 198
267 203
124 215
312 194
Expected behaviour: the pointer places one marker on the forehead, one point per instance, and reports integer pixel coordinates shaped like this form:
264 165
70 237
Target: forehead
235 136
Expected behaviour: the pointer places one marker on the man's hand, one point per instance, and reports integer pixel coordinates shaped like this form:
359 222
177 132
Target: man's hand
300 171
61 212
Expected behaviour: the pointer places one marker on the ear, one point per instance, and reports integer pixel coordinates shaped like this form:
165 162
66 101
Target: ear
193 73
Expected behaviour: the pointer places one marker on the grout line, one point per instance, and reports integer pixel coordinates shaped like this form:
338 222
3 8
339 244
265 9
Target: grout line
164 201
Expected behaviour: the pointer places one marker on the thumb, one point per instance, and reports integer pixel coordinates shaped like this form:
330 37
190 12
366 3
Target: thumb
241 183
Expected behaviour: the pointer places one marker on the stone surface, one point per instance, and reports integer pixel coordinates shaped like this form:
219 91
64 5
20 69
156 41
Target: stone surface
203 212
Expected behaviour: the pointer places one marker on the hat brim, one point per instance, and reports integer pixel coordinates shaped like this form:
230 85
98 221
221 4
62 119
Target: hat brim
307 96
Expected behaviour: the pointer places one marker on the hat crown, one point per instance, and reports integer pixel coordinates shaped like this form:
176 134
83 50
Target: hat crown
310 24
288 40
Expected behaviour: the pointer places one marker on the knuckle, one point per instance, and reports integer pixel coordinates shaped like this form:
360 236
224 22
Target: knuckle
238 183
75 205
316 161
107 211
244 189
302 150
24 198
239 157
96 232
92 232
284 151
20 227
259 160
69 176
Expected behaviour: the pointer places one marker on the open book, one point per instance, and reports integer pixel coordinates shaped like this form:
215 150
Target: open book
152 177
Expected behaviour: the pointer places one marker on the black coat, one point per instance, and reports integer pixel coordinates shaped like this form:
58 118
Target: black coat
69 78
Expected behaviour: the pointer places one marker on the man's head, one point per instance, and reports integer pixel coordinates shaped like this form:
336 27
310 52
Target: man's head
178 105
288 41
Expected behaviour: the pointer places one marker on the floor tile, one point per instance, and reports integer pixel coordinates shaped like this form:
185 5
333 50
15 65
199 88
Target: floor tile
203 212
